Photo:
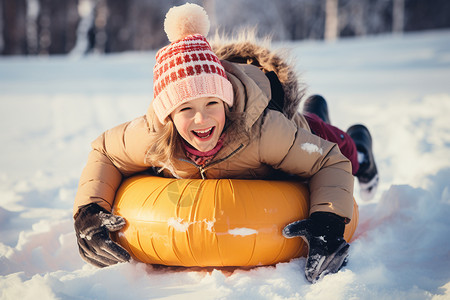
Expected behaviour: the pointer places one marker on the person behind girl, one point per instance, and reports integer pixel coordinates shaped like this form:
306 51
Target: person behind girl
231 112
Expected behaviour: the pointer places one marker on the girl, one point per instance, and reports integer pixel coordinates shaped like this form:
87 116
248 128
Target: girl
227 112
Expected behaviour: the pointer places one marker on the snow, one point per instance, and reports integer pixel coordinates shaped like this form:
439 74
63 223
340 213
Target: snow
181 225
52 108
178 224
242 231
311 148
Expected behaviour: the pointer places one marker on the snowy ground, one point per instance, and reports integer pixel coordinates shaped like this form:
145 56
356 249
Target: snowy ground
51 108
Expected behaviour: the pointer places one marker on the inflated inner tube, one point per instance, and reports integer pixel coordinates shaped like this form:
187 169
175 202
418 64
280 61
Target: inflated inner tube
212 222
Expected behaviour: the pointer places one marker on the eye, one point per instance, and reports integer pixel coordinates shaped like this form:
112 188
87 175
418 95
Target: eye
185 109
212 102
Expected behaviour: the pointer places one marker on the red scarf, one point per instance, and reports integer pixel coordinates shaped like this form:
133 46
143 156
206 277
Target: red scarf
202 158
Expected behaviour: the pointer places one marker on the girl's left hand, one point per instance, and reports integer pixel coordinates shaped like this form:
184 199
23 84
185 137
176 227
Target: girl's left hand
324 233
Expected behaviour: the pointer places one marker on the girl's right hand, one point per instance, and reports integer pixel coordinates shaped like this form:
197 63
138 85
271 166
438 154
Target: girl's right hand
92 226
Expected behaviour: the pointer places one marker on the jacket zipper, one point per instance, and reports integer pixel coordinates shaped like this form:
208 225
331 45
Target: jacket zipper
203 169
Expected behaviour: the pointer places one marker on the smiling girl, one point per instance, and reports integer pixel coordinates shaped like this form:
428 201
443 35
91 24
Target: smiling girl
200 122
231 112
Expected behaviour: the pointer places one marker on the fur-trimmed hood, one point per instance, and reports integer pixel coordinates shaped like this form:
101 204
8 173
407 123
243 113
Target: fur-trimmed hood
249 50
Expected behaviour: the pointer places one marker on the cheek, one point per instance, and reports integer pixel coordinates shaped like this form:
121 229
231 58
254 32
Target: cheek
222 121
181 125
220 118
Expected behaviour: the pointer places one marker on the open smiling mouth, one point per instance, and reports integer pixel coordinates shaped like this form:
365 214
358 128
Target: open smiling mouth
204 134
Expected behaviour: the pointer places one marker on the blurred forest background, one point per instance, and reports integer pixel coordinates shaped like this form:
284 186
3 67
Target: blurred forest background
45 27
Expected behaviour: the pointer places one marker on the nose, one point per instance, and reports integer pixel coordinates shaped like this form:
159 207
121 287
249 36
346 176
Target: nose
199 117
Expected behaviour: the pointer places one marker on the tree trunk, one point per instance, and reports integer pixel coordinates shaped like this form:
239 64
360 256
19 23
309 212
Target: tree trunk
117 29
331 19
210 7
14 27
398 16
57 26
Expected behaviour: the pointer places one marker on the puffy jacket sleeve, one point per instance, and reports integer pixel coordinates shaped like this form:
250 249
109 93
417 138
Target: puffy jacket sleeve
116 153
286 146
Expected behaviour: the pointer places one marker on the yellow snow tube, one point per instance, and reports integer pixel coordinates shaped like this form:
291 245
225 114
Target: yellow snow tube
212 222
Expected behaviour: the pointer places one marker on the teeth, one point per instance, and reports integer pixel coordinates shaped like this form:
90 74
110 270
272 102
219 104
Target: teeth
203 131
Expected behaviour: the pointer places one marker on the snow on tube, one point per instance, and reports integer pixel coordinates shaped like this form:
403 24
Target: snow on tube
212 222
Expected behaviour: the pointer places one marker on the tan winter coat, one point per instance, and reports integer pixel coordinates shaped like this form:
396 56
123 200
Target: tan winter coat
280 142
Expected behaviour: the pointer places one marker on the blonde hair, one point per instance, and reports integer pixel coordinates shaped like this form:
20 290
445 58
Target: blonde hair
165 145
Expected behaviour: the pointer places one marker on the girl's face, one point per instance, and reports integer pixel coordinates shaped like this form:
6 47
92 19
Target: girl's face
200 122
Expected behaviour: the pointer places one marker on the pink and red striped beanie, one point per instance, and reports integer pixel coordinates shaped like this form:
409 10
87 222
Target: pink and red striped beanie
187 69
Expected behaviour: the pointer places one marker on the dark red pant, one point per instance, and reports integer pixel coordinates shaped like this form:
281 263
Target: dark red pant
333 134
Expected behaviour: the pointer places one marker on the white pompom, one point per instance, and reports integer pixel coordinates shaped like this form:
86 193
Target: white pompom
185 20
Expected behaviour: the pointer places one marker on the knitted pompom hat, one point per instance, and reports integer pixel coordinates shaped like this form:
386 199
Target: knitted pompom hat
187 69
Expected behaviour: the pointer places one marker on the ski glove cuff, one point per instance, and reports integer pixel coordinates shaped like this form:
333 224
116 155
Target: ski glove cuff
92 226
324 233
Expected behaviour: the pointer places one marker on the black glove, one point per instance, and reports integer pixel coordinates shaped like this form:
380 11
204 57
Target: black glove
92 226
324 233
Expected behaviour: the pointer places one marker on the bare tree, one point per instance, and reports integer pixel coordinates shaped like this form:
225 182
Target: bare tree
147 23
57 26
353 17
378 16
331 20
118 35
51 26
398 16
210 7
1 26
234 15
425 15
14 27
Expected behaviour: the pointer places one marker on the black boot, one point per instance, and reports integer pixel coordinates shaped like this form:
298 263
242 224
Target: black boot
317 105
367 173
